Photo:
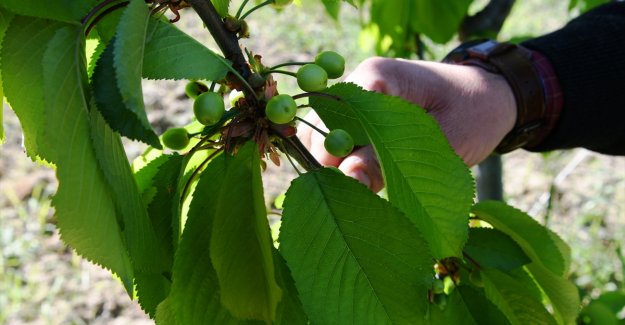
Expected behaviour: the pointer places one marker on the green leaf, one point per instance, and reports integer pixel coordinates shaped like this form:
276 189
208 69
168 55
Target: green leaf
424 176
439 20
151 256
452 311
194 278
128 52
240 246
333 8
355 258
514 299
172 54
392 19
163 209
83 198
482 311
63 10
549 254
5 17
537 241
493 248
110 102
562 293
22 73
290 309
221 6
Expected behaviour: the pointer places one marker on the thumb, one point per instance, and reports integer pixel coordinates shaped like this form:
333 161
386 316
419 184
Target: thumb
363 165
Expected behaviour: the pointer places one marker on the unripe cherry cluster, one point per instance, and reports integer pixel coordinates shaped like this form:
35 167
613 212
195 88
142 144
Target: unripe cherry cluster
209 107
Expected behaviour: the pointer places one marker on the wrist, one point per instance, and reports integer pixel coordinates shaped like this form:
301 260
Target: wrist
515 64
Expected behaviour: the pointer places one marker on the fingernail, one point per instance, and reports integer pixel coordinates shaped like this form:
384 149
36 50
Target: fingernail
361 176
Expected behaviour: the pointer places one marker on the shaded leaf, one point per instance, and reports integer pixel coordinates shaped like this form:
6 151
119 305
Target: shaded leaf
240 246
79 204
110 102
164 207
151 258
194 278
128 52
492 248
63 10
22 73
354 257
424 176
290 310
172 54
537 241
483 312
453 311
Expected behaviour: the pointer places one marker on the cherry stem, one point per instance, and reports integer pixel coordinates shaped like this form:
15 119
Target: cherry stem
318 94
288 73
325 134
102 15
288 64
290 160
256 8
183 194
471 260
95 10
241 9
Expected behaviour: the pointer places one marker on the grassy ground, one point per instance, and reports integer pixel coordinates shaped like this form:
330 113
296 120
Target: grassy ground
578 193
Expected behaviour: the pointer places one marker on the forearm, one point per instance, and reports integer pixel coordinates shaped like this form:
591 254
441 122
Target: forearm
588 57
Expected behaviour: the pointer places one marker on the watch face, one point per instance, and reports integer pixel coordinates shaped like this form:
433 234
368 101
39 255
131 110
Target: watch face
461 52
482 50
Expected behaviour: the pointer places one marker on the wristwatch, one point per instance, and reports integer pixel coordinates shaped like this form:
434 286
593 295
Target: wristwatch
514 63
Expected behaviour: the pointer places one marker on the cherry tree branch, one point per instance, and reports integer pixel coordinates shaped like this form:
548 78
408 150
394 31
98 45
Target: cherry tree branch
229 45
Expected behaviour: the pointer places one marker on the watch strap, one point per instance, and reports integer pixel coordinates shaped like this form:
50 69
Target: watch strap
515 65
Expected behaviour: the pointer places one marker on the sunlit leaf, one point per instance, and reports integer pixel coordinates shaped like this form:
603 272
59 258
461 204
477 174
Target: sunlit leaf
22 73
79 204
5 17
537 241
172 54
424 176
355 259
514 299
549 255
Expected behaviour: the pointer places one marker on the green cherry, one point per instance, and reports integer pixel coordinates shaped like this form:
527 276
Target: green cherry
281 109
312 77
176 138
332 62
195 88
339 143
209 108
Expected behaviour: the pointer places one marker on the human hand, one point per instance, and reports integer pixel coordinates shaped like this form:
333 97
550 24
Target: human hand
474 108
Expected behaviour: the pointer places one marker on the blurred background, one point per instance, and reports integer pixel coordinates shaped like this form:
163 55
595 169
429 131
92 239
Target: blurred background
577 193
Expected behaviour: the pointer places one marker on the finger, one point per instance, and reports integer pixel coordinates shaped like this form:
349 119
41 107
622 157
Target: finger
363 165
